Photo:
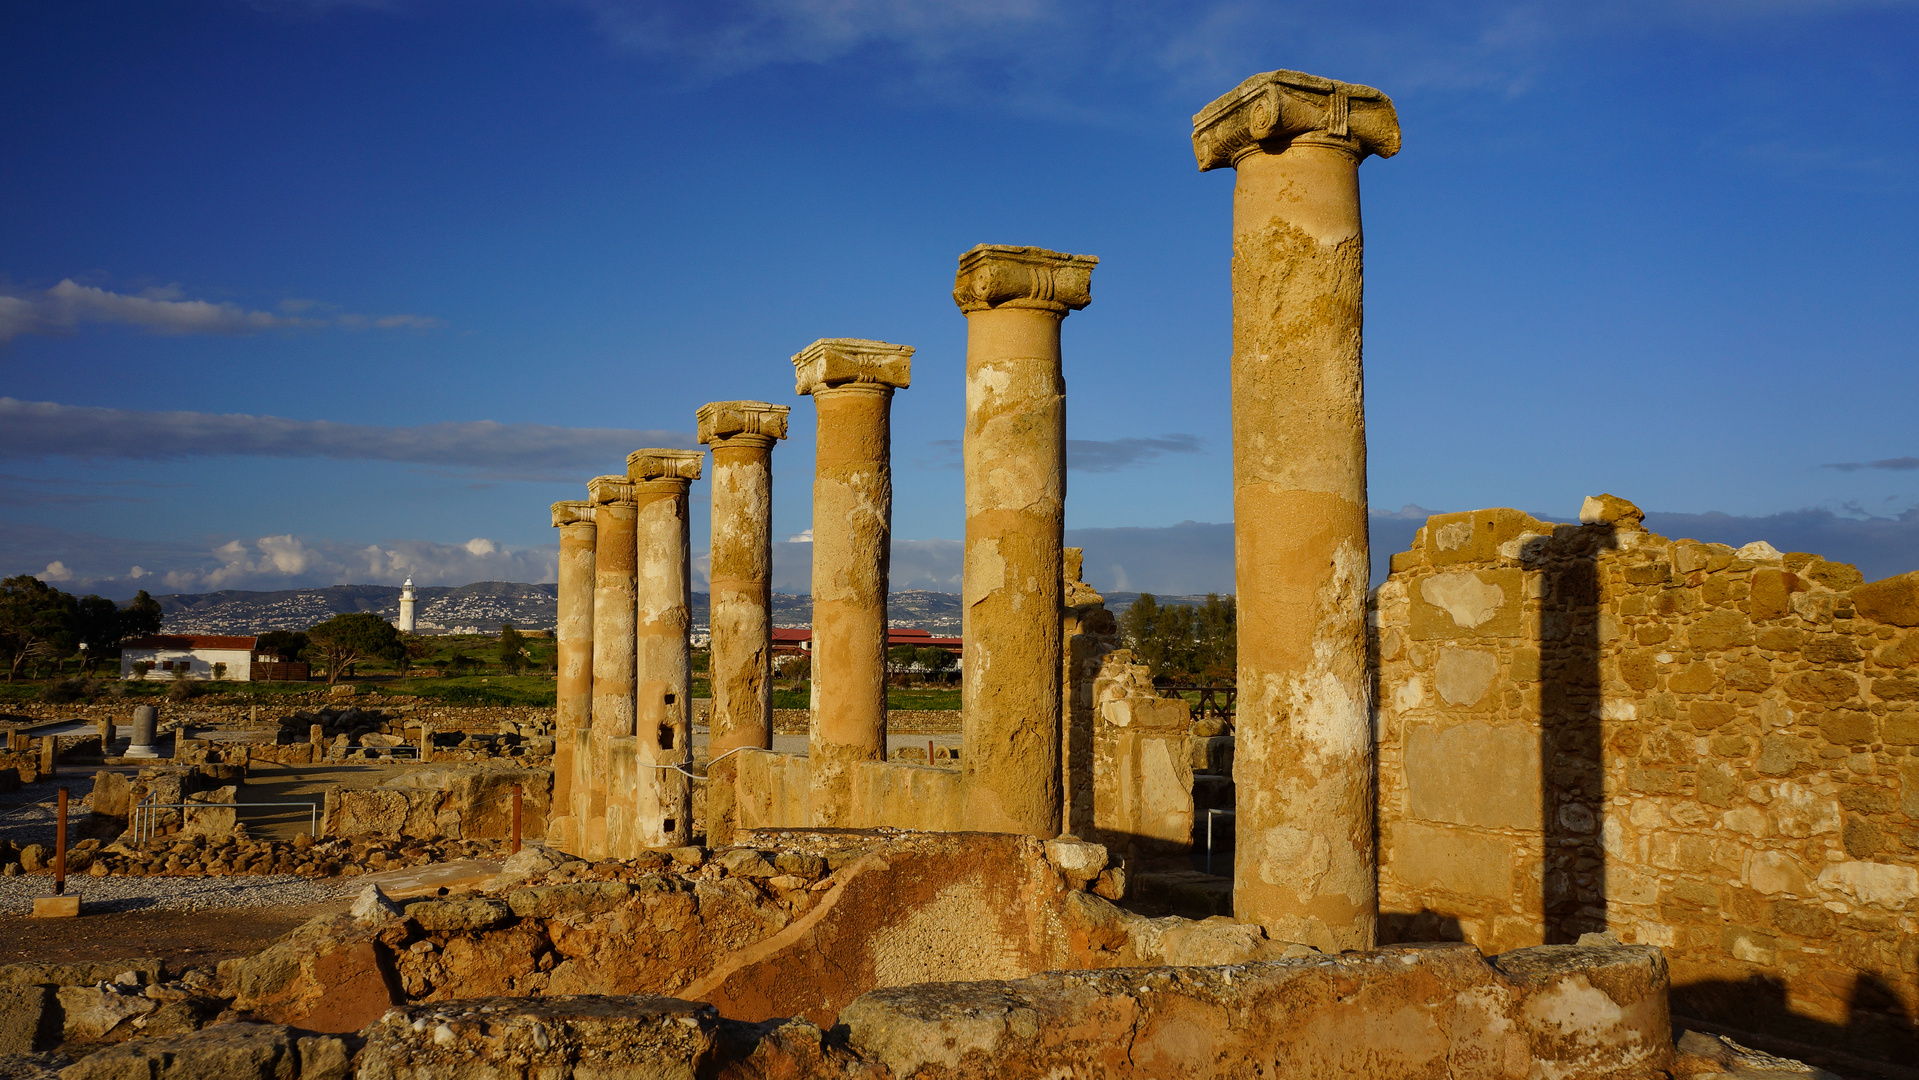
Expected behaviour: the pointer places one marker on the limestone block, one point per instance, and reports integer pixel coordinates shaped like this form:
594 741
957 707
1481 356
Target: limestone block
1424 857
1389 1014
1462 676
772 789
574 898
907 797
1721 629
474 914
1466 604
1880 884
103 1011
1475 774
28 1022
1893 600
1080 861
223 1052
1213 755
557 1038
1475 536
1610 510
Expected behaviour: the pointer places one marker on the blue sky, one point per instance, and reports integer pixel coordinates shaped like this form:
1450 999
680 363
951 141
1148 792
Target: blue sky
447 260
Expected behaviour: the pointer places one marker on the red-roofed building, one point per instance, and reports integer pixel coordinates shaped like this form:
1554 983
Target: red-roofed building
798 641
199 656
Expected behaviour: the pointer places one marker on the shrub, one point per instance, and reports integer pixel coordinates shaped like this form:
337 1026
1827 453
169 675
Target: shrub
67 691
183 690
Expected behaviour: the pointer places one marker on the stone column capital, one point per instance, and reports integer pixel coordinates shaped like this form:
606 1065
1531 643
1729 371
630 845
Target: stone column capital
610 491
572 512
663 464
742 423
831 362
1272 109
1000 275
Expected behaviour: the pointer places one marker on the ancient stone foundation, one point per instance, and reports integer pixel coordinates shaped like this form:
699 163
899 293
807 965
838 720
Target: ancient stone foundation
1716 751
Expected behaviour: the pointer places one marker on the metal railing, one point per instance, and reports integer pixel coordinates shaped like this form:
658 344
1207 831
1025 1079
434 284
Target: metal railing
145 822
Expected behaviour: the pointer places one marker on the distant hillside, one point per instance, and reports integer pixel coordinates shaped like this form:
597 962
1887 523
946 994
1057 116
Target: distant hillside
481 606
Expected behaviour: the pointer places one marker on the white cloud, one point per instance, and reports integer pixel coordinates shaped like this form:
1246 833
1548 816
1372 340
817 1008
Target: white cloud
801 538
290 562
162 310
137 573
56 571
34 430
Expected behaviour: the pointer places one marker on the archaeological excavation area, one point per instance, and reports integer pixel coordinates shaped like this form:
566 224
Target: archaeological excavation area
1559 801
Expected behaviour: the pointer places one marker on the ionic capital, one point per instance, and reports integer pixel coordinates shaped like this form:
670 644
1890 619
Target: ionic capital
831 362
609 490
573 512
756 422
998 275
1270 110
661 464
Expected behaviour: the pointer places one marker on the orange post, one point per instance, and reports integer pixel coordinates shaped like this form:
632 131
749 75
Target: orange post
60 846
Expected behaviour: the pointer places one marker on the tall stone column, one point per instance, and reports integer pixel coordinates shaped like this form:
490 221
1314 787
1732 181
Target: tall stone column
614 653
1015 460
573 637
742 434
851 382
663 806
1303 758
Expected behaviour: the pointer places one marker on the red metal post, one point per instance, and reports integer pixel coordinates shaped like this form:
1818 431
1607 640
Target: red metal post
60 847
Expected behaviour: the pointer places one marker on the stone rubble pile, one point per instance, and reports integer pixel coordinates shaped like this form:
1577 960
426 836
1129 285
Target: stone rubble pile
186 856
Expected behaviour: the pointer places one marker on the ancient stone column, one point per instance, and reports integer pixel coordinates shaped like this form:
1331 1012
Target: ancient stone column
851 382
614 649
573 635
742 434
1015 460
663 805
1303 755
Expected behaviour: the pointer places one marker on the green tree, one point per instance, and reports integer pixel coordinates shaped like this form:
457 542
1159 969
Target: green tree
140 615
345 640
512 649
37 622
285 644
1181 642
416 648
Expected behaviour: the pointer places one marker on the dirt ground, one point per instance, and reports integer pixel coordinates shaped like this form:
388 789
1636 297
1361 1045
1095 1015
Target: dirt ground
181 938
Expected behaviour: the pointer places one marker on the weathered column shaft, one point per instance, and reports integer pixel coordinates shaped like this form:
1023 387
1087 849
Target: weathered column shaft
1014 454
663 805
613 648
573 638
851 382
742 434
1305 866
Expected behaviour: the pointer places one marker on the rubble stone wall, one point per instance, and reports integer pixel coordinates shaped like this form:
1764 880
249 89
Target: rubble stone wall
1713 751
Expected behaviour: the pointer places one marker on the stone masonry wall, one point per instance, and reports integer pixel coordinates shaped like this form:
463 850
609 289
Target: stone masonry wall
1714 751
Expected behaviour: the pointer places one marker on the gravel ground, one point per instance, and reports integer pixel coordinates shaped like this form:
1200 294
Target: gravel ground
117 893
27 814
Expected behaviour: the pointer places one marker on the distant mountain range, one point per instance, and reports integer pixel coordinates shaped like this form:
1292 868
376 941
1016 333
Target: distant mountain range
482 606
477 608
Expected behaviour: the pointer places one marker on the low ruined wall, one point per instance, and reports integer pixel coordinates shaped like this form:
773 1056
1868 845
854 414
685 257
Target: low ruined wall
1395 1014
1587 727
443 804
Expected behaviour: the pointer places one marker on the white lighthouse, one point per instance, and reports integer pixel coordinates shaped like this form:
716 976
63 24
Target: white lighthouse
406 607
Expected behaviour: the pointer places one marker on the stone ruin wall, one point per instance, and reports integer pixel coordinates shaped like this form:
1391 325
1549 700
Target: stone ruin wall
1731 742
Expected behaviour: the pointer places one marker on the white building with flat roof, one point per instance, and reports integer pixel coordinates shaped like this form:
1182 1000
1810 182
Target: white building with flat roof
197 656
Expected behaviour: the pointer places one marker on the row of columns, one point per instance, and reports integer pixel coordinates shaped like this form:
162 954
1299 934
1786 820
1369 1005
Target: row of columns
1303 763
